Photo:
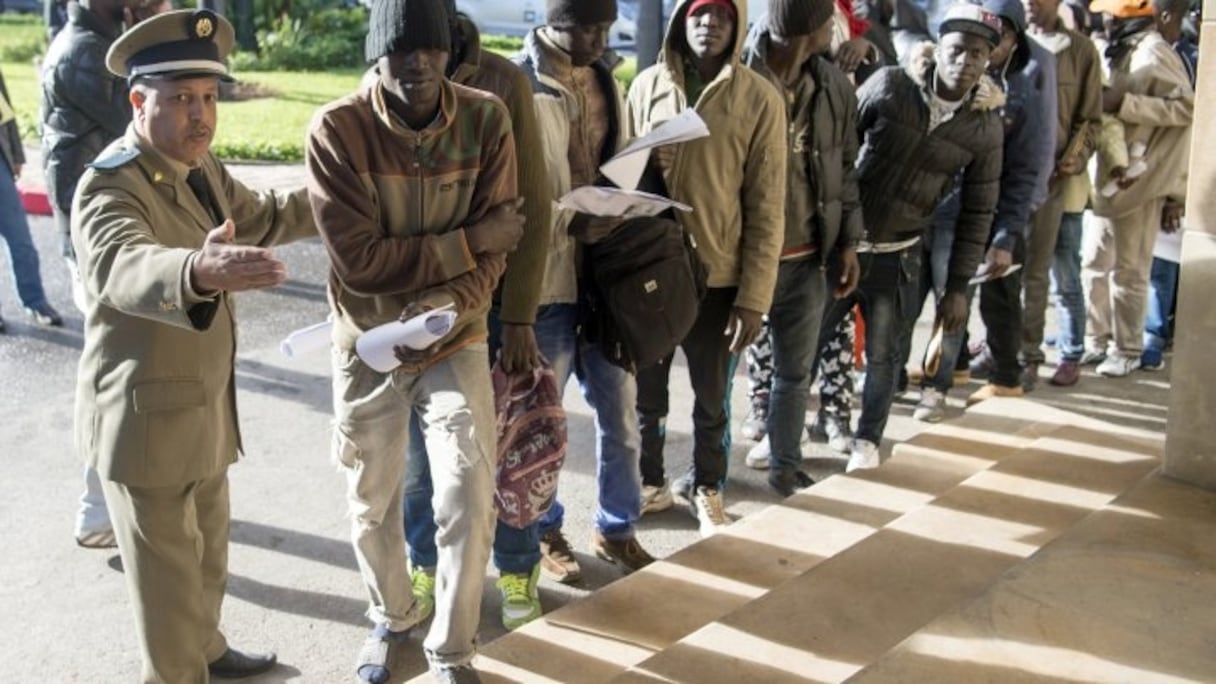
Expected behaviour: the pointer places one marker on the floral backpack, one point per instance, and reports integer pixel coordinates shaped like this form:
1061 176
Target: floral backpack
531 444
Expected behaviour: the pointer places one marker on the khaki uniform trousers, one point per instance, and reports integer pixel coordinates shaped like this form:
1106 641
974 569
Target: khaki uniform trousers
1116 260
174 547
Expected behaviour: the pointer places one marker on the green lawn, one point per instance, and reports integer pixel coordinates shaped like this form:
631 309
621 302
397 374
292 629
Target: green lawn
273 128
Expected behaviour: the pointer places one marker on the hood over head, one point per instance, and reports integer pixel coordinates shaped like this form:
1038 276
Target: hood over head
1013 11
674 41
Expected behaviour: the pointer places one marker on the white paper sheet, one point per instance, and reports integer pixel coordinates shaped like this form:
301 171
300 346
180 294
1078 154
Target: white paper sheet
599 201
305 340
982 275
1169 246
625 169
375 347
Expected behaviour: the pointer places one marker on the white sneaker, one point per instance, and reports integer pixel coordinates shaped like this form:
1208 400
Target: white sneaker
655 499
863 455
834 431
932 406
758 456
755 424
1118 365
710 510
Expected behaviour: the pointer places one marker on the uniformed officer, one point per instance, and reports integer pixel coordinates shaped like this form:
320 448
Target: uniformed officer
164 235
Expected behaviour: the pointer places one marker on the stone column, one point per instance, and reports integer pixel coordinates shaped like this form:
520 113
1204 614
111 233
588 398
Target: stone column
1190 448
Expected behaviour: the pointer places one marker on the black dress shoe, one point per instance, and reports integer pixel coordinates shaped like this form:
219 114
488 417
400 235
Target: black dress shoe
236 665
44 314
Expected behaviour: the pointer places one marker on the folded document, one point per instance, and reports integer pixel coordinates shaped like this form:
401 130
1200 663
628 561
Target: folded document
600 201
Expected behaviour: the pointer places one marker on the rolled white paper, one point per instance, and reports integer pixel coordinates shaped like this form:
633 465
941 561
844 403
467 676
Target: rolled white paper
304 340
375 347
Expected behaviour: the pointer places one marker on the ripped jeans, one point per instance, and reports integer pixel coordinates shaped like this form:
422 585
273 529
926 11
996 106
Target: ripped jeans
454 399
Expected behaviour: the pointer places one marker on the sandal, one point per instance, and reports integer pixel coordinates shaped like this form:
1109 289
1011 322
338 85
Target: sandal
372 663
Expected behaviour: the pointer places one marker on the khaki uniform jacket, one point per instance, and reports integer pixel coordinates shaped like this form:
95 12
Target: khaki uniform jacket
735 179
155 397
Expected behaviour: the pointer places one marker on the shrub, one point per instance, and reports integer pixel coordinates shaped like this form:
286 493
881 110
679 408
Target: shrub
22 37
326 39
503 45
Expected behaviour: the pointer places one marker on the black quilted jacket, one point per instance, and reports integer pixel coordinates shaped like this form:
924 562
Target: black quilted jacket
84 106
904 171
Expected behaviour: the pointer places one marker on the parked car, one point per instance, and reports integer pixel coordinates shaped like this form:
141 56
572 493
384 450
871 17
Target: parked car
517 17
22 6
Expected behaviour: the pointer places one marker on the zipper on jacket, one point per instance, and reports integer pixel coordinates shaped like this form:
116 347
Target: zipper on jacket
421 186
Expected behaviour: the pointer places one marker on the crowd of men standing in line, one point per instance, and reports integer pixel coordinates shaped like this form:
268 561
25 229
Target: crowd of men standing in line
872 168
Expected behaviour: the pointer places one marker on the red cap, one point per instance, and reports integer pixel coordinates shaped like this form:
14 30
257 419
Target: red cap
698 4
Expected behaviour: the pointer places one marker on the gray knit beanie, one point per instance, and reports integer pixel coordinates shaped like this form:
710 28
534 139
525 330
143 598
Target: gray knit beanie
407 25
567 13
790 18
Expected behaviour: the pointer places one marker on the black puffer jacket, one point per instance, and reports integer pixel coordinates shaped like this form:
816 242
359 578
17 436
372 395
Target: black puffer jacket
904 172
84 106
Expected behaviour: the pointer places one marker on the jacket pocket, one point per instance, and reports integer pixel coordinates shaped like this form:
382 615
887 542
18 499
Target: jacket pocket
168 395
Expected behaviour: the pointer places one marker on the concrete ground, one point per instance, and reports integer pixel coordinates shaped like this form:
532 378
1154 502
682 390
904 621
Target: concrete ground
294 587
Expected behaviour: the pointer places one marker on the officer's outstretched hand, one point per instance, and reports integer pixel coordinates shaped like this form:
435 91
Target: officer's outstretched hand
221 265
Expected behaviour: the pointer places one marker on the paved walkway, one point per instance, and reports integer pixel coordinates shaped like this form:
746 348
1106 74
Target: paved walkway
294 586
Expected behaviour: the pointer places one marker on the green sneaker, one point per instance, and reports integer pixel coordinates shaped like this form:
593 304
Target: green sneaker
423 582
520 599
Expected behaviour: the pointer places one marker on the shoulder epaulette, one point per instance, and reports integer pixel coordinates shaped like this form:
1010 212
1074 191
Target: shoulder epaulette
115 159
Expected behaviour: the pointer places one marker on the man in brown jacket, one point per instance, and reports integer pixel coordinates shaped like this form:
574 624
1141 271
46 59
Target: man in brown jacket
1054 244
399 174
156 395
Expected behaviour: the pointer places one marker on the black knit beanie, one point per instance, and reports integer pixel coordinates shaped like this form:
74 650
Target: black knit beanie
407 25
790 18
567 13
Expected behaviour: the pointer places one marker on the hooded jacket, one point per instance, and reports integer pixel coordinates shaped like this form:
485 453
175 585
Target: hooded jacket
734 179
557 112
1028 80
905 171
84 106
823 138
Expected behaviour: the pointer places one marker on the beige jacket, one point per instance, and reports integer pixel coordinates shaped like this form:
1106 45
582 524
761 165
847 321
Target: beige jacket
1157 108
735 179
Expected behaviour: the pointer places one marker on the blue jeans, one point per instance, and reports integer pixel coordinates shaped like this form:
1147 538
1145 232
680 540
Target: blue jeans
1066 283
888 295
15 229
611 392
794 320
1163 287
